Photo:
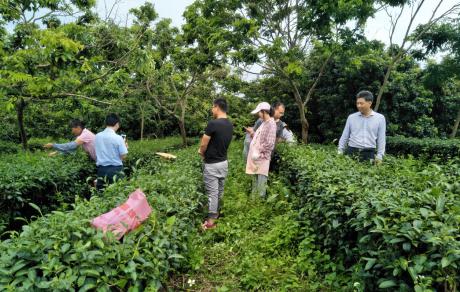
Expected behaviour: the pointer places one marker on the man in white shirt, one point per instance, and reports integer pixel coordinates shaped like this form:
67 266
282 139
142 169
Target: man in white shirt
365 131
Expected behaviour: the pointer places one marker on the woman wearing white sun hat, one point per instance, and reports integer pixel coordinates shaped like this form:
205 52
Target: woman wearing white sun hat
260 150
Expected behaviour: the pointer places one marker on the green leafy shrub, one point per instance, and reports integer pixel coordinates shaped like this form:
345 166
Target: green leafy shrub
41 180
36 144
50 182
8 147
61 251
394 226
427 147
141 153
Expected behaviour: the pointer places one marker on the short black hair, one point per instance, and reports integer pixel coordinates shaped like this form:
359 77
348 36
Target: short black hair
111 120
77 124
367 95
222 104
277 104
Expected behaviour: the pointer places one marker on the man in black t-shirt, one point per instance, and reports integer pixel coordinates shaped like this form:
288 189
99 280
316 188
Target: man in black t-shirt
213 150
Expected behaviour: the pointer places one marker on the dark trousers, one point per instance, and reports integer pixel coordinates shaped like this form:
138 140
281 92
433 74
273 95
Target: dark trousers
107 175
363 154
274 162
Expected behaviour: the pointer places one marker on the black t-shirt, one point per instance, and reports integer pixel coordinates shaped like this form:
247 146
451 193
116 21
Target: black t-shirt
221 133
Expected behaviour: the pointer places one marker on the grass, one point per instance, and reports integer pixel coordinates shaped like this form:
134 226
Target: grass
255 244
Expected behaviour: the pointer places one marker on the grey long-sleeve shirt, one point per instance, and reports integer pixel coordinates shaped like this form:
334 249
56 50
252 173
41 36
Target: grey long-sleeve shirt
364 132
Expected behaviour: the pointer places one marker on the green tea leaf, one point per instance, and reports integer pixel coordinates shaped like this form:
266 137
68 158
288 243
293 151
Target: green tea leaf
65 247
387 284
413 273
406 246
370 264
425 212
36 208
176 256
440 203
397 240
445 262
87 287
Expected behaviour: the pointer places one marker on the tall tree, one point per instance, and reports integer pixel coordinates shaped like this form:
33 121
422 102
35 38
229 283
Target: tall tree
178 67
38 63
277 36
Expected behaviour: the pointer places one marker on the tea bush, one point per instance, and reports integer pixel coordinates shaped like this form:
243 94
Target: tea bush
44 181
7 147
141 153
426 148
394 226
36 144
61 251
48 182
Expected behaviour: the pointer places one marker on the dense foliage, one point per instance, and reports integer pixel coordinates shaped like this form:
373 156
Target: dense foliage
53 182
47 182
424 148
61 251
161 79
7 147
393 226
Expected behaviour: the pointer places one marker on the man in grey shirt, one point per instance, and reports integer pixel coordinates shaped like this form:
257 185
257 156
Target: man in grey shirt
364 132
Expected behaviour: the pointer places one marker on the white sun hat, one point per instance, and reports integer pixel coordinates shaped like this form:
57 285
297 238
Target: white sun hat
261 106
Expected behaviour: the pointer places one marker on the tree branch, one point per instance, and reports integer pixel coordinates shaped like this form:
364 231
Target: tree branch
320 74
157 100
82 96
249 72
432 21
394 23
413 16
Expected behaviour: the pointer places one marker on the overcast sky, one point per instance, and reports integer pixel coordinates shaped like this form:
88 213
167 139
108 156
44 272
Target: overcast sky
165 8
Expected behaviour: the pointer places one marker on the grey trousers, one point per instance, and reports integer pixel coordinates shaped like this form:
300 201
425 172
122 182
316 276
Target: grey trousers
214 175
259 185
247 143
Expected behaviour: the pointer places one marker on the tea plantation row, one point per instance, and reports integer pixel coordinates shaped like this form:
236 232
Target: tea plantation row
60 251
427 148
393 226
53 182
44 181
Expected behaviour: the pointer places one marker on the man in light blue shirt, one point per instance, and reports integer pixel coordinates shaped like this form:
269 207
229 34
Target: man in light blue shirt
364 132
111 150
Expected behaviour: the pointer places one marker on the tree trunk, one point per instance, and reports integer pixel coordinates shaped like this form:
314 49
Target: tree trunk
303 118
304 122
142 121
303 105
183 106
382 87
20 106
455 127
182 132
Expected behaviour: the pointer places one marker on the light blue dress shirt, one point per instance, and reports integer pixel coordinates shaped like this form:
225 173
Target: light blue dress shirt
364 132
109 148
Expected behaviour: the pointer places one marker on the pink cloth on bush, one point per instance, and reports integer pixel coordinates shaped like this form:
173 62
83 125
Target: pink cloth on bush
125 217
